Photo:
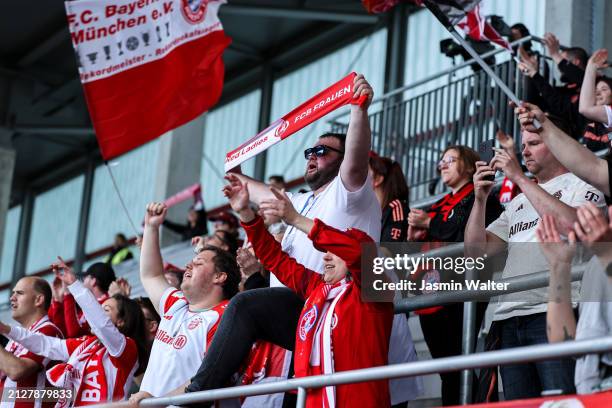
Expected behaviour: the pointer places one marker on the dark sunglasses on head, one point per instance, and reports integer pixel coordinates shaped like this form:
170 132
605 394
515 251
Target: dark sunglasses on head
320 151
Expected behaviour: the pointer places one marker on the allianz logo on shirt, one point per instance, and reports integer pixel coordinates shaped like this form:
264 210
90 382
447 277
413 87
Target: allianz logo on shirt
522 226
177 342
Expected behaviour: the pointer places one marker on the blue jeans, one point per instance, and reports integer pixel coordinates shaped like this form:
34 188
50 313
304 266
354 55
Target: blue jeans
530 379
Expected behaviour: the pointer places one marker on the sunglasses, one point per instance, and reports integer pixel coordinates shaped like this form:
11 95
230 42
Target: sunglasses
320 151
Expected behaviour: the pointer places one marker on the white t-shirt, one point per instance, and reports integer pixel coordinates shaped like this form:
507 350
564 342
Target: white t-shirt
595 321
180 344
337 207
343 209
609 114
517 226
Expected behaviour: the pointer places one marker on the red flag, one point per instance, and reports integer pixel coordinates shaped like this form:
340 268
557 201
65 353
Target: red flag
379 6
475 26
146 66
337 95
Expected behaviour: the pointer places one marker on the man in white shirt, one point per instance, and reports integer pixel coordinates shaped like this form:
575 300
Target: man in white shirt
521 317
19 367
341 196
189 316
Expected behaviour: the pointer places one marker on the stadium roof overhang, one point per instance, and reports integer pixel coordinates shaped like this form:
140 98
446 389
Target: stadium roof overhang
43 115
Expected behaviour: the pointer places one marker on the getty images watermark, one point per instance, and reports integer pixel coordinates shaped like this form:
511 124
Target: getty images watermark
431 268
406 268
412 269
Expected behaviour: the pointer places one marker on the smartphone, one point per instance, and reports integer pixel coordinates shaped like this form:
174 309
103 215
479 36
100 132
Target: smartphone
486 153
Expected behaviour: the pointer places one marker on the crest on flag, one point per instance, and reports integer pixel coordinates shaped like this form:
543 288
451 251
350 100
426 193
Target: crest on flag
194 10
281 129
146 67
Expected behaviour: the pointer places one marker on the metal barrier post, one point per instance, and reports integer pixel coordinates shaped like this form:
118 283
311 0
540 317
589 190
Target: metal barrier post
301 397
469 328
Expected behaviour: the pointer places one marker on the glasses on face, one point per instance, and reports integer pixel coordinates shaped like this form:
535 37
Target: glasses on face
320 151
446 162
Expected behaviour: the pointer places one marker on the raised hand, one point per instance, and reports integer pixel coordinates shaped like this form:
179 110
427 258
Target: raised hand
281 207
552 43
63 272
198 243
553 247
526 114
120 286
237 193
598 60
362 87
58 290
156 214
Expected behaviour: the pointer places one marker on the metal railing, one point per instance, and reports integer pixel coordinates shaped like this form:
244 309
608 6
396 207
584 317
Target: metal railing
414 131
440 365
414 124
466 362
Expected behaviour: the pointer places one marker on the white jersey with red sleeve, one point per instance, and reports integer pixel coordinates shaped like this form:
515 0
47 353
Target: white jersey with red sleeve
181 342
36 380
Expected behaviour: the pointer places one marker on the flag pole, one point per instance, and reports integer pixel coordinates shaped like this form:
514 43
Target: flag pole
112 177
435 10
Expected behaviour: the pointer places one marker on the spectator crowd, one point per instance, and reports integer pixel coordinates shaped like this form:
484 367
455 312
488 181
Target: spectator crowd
274 291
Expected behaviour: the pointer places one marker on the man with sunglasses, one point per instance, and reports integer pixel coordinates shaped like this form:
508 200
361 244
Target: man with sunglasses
341 196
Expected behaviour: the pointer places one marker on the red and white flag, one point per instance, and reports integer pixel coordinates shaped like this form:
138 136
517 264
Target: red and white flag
476 26
463 13
147 66
326 101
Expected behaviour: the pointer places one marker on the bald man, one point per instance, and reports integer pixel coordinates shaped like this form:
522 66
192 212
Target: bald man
30 301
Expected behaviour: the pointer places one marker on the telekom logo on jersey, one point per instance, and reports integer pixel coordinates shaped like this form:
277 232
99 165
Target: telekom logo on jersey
178 342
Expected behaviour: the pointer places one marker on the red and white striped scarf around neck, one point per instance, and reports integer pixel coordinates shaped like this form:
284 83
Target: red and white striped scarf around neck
83 373
313 347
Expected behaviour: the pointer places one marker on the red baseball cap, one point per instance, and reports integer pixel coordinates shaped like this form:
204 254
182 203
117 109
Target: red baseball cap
227 218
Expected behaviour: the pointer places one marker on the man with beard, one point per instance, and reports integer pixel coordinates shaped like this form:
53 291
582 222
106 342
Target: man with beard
341 196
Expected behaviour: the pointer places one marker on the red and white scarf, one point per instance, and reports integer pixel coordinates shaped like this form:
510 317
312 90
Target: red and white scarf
83 374
313 347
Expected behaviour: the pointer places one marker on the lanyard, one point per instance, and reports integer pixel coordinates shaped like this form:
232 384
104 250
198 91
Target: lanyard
306 204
